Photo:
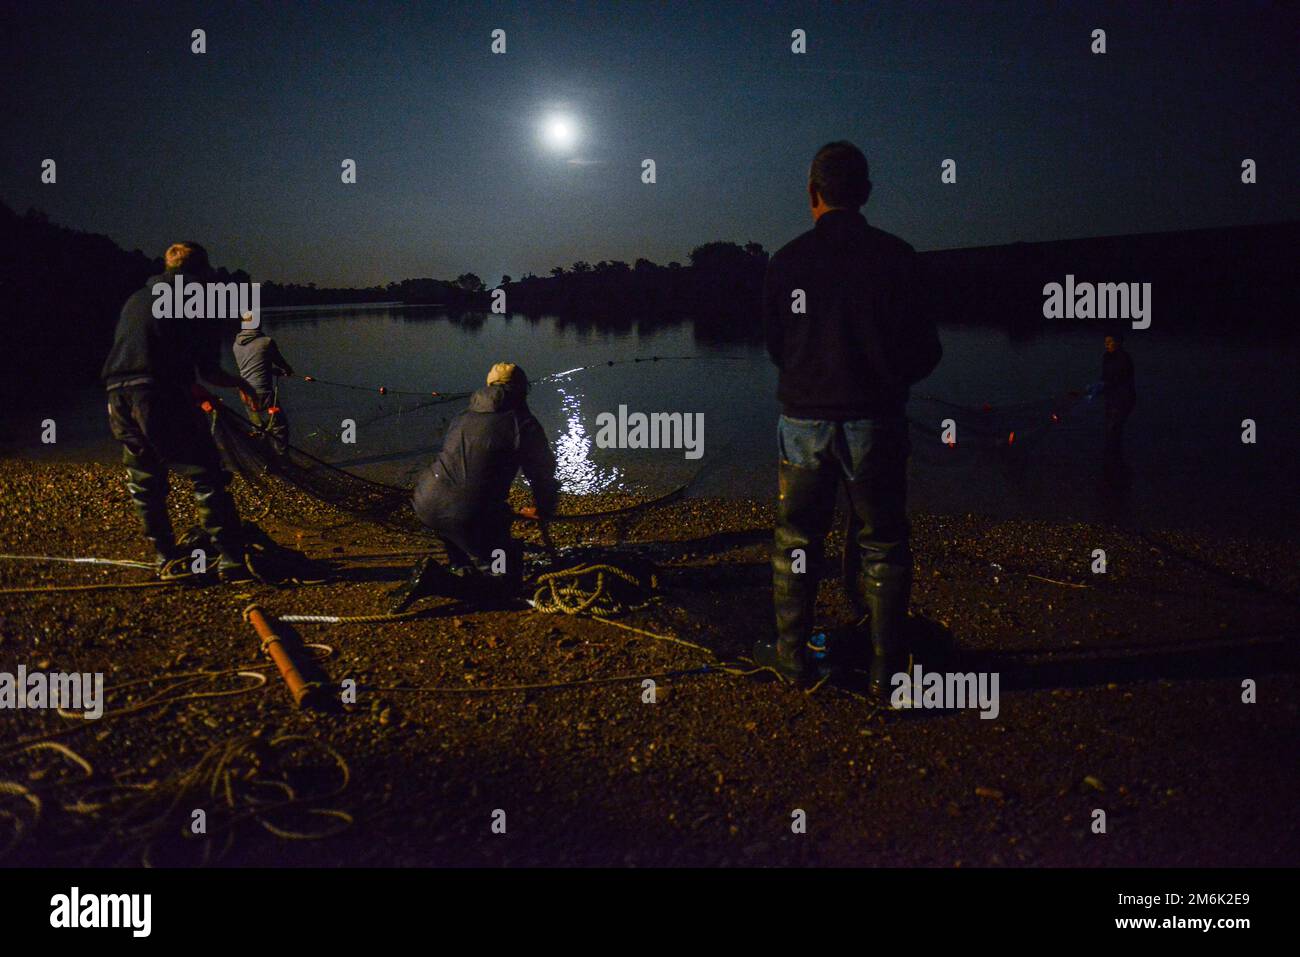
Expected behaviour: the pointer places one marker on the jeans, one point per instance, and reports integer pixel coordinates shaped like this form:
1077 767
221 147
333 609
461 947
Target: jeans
869 458
858 447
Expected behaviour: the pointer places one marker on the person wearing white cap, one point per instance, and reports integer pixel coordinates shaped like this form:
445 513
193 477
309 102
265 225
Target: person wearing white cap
462 495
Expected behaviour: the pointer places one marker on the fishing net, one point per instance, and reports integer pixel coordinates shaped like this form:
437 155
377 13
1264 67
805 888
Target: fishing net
257 457
267 560
979 431
403 429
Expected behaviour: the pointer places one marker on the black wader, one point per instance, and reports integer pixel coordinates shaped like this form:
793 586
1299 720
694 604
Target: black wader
162 431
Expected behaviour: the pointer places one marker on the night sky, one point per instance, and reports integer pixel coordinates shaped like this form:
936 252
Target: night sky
241 147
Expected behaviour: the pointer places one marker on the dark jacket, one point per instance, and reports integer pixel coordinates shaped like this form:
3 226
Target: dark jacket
259 360
1120 385
864 338
163 353
485 447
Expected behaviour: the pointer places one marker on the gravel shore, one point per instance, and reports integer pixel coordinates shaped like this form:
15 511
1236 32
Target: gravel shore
1120 692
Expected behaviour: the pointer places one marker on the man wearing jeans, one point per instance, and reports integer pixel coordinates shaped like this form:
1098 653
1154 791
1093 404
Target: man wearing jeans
845 327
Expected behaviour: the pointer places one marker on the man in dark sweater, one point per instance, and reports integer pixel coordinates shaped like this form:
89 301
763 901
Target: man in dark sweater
844 325
152 409
462 496
259 362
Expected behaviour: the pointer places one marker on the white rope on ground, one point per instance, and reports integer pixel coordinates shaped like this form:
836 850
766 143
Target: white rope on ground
126 562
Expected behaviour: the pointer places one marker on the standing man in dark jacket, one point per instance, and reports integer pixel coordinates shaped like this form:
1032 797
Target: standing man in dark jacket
1119 389
259 361
462 496
845 328
153 412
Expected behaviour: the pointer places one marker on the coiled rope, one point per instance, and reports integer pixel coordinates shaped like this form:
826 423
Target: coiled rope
243 780
593 590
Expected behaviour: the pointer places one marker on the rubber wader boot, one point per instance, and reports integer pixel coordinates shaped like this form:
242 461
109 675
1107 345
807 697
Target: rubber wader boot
876 555
220 519
851 559
164 551
887 590
854 650
428 578
807 499
489 585
149 496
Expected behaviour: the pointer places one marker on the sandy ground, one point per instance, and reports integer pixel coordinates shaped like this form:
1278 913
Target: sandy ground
1124 696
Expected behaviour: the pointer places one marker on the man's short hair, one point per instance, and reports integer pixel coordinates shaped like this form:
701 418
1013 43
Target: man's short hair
840 175
188 257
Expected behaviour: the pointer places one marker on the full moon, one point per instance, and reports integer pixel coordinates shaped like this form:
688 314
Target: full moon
559 132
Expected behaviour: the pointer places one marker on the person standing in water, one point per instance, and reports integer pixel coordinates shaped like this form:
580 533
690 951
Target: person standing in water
260 362
1119 390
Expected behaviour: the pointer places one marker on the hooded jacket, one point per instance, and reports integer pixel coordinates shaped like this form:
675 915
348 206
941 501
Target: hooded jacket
259 359
863 337
485 447
164 353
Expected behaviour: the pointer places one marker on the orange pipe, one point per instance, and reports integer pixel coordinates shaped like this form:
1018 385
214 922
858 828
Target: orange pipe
304 692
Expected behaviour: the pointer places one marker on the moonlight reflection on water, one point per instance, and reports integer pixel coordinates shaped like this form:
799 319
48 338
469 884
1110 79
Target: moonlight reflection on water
576 471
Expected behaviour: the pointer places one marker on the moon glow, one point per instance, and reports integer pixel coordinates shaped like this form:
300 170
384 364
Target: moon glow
559 132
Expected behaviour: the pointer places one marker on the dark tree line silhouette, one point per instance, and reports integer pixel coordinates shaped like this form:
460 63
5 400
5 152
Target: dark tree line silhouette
62 289
718 291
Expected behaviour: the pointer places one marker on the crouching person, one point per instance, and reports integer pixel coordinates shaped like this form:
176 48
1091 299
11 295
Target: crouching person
462 496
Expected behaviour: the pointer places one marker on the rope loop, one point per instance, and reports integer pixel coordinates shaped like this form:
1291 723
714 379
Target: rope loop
599 590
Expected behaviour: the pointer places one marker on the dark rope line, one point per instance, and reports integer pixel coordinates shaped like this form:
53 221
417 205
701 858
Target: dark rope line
382 390
1058 406
671 495
447 396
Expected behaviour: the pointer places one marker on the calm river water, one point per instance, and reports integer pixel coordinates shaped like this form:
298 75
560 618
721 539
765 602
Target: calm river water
1189 465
